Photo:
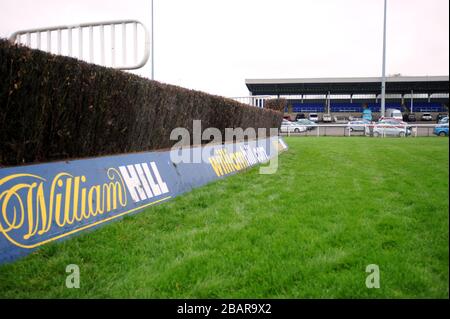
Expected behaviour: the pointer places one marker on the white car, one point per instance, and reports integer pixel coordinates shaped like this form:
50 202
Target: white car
327 118
427 117
391 128
394 113
357 125
290 127
314 117
340 119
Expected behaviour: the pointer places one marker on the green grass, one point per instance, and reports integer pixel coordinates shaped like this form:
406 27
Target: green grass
309 231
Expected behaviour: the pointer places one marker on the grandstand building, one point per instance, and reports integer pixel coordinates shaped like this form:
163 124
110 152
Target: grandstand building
349 96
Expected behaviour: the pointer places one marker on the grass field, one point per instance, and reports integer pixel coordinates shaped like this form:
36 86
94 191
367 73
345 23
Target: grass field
309 231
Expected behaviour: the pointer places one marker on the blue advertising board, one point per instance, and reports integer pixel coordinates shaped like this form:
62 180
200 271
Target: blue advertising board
47 202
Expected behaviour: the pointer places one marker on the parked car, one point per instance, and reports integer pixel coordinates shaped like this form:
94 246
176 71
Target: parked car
394 113
441 129
409 117
340 119
285 122
327 118
440 116
314 117
393 121
310 125
391 127
357 125
443 120
291 127
390 119
300 116
427 117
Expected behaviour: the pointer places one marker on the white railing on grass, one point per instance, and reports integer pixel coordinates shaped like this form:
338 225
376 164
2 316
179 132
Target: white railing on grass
366 129
96 42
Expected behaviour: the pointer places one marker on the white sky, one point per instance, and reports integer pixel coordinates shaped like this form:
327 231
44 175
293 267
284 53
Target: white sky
213 45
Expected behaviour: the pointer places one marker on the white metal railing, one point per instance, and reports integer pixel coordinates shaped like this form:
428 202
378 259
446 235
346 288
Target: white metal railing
373 129
96 42
257 100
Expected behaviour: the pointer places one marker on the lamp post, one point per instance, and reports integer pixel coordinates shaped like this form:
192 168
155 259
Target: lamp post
383 76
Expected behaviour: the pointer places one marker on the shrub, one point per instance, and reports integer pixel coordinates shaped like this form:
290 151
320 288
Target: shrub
55 107
276 104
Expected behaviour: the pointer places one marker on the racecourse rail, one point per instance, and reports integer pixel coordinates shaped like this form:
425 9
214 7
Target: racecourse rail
417 130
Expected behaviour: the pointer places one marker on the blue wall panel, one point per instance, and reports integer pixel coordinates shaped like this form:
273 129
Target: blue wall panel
47 202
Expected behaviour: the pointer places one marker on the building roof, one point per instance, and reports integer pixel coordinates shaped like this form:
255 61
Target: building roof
354 85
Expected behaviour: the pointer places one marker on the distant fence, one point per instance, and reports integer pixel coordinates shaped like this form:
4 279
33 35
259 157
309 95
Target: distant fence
258 101
415 130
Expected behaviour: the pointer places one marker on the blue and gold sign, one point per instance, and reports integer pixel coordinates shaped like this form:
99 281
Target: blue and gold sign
47 202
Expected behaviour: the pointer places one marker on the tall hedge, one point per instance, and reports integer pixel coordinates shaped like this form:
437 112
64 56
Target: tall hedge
276 104
55 107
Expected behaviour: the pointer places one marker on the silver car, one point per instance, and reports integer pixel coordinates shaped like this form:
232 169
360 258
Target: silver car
314 117
357 125
310 125
391 128
290 127
327 118
427 117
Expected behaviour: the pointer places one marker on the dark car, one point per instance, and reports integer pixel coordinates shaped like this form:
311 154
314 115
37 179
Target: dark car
411 117
300 116
440 116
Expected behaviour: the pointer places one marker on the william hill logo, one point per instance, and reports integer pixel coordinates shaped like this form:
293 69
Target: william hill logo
143 182
35 210
224 162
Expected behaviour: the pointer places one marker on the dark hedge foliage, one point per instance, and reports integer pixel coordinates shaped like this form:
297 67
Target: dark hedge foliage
276 104
55 107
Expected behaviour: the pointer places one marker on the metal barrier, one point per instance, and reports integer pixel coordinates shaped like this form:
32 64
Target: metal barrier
257 101
35 37
375 130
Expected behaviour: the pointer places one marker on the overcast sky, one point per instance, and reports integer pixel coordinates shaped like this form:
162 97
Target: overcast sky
214 45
